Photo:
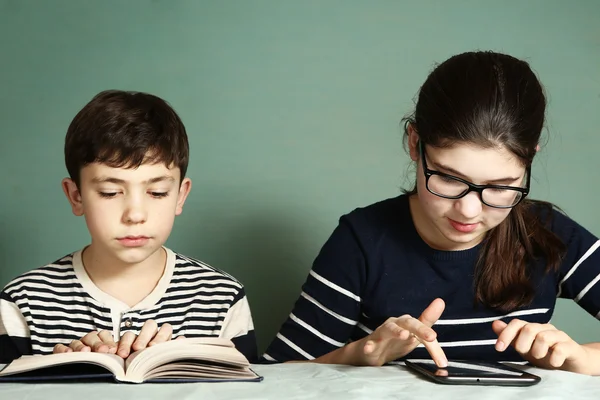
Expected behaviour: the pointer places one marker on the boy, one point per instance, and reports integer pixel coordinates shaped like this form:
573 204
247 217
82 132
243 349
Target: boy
127 155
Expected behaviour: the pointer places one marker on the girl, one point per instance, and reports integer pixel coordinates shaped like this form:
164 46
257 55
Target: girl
464 266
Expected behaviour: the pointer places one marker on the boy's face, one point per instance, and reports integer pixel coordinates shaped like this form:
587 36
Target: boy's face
129 212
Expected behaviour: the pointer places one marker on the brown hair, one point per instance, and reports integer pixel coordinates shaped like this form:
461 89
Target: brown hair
125 129
491 99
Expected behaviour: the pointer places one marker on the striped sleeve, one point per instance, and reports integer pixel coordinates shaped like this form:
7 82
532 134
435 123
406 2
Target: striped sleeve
328 308
580 271
54 305
239 327
14 332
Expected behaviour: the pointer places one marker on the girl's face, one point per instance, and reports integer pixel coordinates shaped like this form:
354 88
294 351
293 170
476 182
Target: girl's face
460 224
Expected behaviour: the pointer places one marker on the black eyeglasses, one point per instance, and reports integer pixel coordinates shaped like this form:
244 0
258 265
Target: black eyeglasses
452 187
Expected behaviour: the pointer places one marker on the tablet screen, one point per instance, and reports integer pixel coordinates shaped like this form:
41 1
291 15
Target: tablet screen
474 372
469 368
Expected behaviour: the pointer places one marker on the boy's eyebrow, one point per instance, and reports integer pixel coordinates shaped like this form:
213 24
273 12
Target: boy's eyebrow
108 179
457 173
160 179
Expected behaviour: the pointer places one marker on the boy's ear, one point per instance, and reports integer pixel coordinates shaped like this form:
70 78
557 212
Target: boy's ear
184 190
73 195
413 143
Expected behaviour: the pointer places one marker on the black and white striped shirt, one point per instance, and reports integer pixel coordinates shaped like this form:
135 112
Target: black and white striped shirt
375 266
59 303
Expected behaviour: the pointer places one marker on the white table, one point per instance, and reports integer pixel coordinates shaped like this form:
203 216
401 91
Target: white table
312 381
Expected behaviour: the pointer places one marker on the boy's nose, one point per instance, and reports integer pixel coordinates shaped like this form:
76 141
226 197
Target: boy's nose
135 214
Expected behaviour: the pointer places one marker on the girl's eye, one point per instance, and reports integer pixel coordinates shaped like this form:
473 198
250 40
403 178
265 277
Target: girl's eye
159 194
448 180
107 195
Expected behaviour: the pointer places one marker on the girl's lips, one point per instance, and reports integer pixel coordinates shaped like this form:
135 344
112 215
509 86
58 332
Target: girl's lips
463 228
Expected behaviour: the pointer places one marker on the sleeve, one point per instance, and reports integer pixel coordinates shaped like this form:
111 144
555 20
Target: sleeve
239 327
14 331
580 269
327 311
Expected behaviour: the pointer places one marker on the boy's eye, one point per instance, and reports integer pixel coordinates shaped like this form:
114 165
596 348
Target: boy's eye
108 194
159 194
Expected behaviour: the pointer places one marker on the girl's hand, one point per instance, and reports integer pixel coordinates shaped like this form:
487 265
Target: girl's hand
399 336
542 345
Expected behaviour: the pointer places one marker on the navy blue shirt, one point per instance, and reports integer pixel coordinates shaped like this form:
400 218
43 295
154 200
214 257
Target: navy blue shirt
375 266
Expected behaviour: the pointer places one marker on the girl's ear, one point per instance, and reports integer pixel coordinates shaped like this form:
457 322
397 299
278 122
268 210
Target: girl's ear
413 142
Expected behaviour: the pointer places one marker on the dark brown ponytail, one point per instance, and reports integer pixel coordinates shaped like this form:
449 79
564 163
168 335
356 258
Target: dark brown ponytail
502 276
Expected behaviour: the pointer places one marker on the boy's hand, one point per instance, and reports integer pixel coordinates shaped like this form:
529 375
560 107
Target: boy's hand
103 342
148 337
98 342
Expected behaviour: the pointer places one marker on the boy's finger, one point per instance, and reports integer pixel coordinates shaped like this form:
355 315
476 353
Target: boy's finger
124 346
164 335
78 345
61 348
146 334
93 341
107 339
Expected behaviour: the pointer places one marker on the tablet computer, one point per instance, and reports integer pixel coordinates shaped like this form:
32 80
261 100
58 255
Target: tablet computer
473 373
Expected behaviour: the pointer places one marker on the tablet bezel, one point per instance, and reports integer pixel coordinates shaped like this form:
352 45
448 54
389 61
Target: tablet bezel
525 379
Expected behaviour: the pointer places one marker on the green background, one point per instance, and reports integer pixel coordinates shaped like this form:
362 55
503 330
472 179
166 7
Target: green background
292 108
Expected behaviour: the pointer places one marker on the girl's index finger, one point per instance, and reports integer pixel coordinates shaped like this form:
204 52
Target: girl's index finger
437 353
428 337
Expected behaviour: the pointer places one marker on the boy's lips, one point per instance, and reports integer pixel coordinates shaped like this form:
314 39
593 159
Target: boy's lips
133 241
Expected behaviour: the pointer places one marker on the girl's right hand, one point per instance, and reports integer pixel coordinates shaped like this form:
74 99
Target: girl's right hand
397 337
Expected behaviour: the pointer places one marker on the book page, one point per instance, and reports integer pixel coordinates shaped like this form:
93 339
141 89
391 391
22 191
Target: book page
215 341
218 350
111 362
199 370
186 370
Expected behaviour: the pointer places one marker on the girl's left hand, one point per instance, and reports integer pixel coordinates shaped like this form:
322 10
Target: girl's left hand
542 345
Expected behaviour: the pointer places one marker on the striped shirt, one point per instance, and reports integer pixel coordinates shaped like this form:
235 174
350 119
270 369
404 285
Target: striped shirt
59 303
376 266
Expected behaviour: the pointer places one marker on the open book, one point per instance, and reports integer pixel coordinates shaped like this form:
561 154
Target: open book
184 360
